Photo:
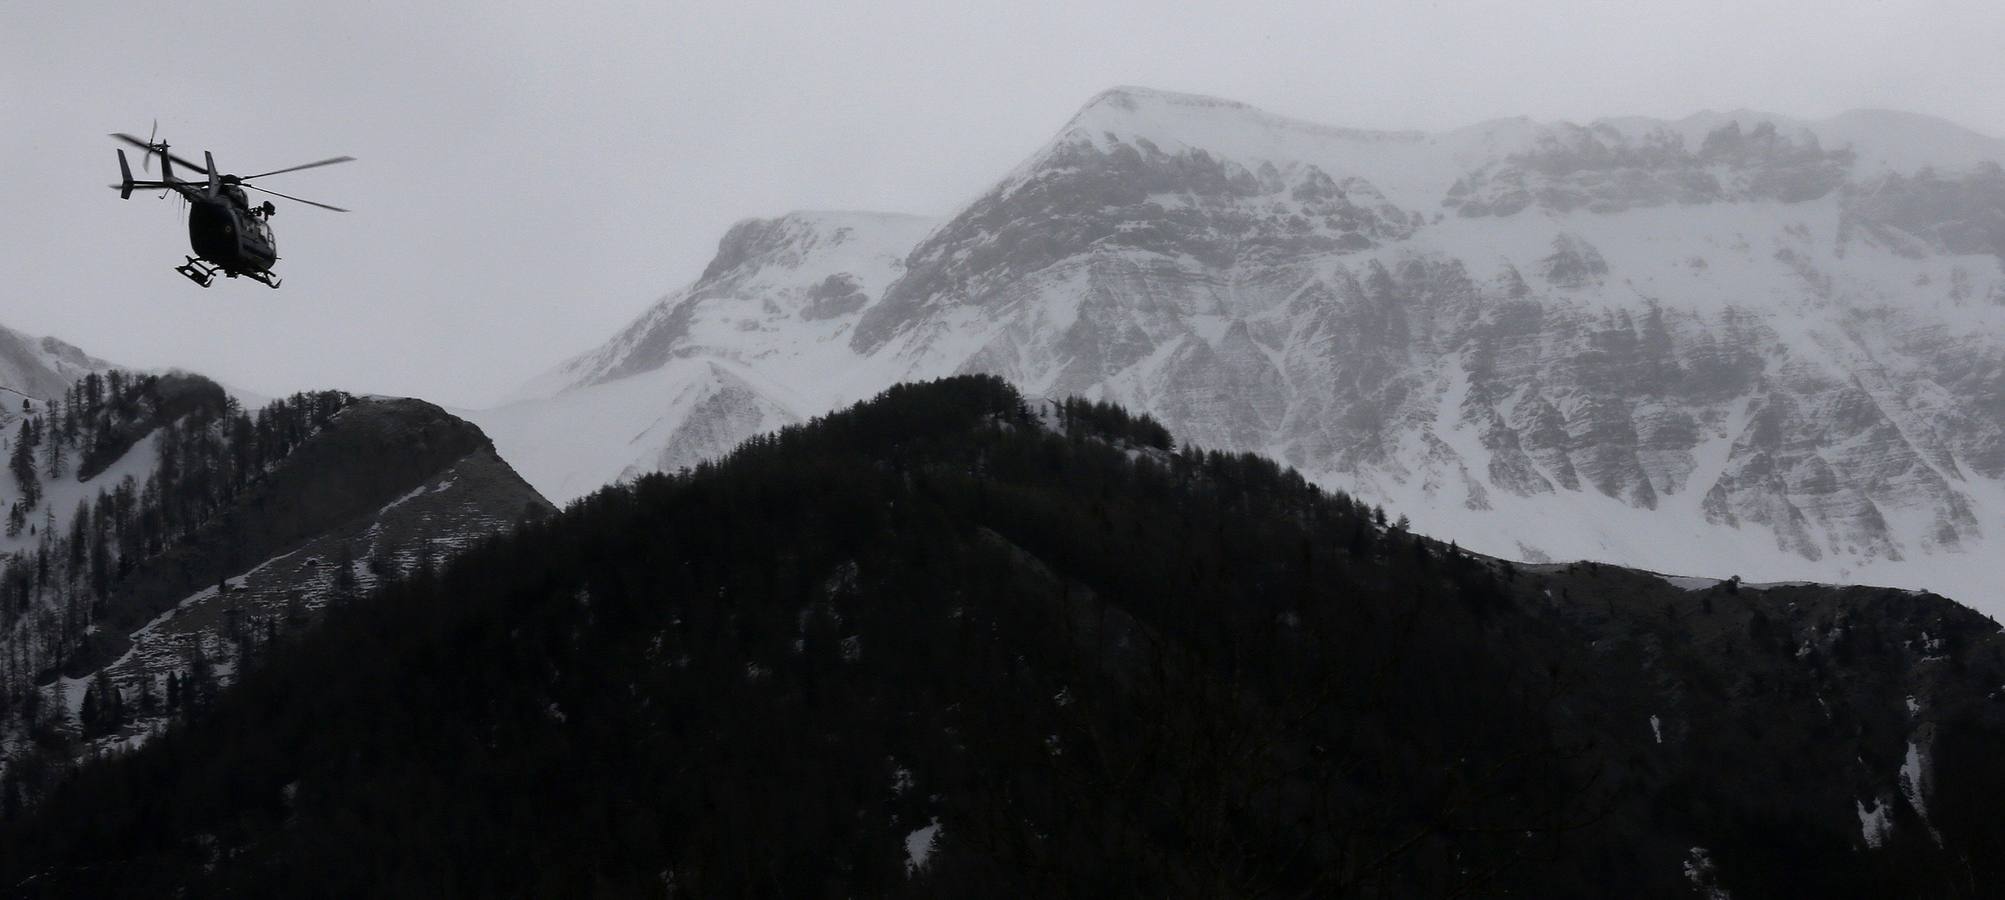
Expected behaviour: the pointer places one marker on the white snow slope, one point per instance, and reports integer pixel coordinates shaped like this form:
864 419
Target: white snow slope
1734 343
38 368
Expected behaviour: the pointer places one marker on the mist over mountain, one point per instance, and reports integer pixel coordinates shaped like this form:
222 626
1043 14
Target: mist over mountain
38 368
1730 343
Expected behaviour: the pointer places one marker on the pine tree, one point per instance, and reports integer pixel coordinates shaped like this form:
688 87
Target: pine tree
383 559
79 541
199 685
22 463
52 450
114 704
344 571
427 558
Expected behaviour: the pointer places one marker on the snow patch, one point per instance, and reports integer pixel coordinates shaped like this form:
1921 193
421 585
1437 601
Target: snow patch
60 496
919 847
1703 875
408 496
1875 824
1917 782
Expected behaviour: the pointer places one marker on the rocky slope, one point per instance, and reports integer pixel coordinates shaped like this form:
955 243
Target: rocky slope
955 642
184 535
1729 343
38 369
757 342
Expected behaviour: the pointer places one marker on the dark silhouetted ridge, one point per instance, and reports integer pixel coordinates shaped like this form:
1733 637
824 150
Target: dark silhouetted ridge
1059 657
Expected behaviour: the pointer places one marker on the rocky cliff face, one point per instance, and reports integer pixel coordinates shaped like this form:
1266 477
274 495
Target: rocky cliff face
1734 342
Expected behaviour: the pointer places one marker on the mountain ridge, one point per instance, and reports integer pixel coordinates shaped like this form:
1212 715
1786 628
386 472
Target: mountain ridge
1670 344
40 368
159 531
1038 651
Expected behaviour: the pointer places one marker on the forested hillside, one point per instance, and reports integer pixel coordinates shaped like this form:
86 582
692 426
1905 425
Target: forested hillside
948 642
204 450
160 536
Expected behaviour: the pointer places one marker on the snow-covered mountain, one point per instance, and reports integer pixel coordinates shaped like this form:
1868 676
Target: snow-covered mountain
761 340
1732 343
39 368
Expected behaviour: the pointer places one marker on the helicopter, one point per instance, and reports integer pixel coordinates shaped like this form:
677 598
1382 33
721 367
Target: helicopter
228 234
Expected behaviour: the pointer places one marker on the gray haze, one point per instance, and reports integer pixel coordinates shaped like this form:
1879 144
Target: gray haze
533 174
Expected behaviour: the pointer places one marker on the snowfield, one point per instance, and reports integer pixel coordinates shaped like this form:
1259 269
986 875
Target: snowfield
1730 344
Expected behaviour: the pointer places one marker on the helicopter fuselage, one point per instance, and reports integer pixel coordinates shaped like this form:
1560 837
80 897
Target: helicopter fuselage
230 235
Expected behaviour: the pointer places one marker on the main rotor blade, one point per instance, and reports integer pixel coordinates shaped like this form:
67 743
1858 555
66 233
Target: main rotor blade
294 199
311 165
149 148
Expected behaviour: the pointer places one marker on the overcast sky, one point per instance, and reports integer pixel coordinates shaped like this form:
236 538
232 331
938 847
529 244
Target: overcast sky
532 175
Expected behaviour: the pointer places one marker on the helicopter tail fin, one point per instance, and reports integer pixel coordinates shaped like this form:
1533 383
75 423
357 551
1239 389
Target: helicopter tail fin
125 177
215 181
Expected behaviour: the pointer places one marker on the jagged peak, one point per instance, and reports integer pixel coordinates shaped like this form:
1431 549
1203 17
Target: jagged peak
1130 97
754 238
41 367
1180 122
1891 139
1406 165
835 217
1190 118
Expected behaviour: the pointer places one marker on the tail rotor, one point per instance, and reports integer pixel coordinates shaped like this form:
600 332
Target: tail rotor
146 165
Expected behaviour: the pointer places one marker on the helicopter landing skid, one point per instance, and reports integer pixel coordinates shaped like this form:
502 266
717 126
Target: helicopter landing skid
197 272
204 274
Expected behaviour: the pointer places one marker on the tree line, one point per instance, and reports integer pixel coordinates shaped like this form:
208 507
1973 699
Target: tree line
201 449
1102 663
